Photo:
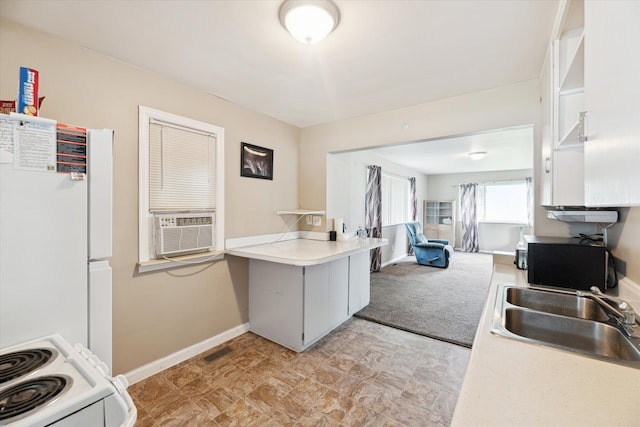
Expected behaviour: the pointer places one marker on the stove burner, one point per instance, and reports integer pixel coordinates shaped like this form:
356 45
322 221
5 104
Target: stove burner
19 363
28 395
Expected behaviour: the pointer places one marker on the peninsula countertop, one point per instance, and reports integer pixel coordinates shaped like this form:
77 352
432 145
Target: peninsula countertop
511 383
306 252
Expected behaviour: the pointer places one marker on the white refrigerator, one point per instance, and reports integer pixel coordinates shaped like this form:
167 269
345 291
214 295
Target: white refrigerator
55 240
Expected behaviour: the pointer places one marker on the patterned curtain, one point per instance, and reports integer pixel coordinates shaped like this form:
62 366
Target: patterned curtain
414 208
469 241
529 182
373 212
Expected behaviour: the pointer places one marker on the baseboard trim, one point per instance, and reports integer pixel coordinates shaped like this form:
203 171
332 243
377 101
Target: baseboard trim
384 264
160 365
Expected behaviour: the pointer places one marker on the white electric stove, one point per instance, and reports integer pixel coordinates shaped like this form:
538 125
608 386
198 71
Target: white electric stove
49 382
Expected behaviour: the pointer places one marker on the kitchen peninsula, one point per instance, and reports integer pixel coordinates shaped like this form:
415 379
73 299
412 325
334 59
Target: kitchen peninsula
302 289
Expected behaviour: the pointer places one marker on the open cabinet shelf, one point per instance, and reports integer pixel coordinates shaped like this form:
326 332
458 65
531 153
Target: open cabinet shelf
572 48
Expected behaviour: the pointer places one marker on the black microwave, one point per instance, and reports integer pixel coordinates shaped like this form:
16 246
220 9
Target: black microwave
566 262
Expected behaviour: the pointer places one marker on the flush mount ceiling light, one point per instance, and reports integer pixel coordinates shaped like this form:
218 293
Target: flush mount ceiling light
309 21
477 155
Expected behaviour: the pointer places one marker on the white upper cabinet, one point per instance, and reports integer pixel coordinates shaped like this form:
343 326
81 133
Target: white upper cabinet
591 126
612 100
562 96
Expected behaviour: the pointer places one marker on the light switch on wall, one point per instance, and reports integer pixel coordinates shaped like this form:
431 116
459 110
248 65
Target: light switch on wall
308 219
317 221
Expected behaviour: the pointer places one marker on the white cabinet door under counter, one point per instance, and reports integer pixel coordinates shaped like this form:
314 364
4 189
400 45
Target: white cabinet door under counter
300 290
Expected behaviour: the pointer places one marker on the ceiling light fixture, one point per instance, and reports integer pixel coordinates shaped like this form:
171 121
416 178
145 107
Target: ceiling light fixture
309 21
477 155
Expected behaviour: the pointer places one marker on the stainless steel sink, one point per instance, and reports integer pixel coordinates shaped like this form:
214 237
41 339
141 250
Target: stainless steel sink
566 304
563 320
596 338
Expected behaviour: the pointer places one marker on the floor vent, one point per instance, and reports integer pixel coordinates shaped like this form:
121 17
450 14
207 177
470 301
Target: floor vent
213 356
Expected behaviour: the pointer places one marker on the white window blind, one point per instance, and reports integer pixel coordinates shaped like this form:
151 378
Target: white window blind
395 199
182 168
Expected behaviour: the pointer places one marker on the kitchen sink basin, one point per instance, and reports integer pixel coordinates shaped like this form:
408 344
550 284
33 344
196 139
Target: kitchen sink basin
566 304
596 338
563 320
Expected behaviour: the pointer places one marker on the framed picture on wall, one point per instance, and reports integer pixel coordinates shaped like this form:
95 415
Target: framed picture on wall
256 162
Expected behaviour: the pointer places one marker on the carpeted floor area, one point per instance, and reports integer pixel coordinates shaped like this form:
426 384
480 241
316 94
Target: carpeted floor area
445 304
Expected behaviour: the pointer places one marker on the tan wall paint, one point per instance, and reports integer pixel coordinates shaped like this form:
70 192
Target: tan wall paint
513 105
502 107
157 314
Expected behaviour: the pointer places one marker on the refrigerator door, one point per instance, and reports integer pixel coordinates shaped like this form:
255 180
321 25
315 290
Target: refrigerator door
100 167
43 256
100 316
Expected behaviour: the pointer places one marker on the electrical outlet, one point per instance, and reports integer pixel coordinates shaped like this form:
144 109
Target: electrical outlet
317 221
308 219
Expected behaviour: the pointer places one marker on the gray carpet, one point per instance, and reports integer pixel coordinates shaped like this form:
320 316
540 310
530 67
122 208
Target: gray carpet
445 304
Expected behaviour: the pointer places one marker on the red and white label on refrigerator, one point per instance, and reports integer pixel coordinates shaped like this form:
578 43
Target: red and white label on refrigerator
71 152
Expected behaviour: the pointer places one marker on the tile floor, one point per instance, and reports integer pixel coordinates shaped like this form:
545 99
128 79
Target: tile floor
362 374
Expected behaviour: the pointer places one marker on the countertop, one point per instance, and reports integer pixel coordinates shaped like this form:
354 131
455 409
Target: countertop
306 252
511 383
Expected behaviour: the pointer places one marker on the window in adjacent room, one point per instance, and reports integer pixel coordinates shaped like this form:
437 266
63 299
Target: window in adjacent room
395 199
504 202
181 185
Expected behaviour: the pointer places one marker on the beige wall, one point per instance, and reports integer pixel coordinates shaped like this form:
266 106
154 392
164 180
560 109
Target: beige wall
502 107
157 314
514 105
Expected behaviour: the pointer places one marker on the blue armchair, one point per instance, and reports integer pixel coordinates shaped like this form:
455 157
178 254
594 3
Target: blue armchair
435 253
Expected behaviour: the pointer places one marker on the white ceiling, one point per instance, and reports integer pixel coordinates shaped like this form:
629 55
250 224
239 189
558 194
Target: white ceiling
507 149
384 55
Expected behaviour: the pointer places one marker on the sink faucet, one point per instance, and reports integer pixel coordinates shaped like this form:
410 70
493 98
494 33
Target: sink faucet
620 307
624 313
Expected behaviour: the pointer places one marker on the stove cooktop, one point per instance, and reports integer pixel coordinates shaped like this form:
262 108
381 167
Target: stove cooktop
45 380
27 396
18 363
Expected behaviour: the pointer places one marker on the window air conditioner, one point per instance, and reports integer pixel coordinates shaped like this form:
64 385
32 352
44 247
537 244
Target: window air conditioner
183 233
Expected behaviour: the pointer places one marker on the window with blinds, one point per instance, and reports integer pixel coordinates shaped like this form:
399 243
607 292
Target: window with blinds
395 199
181 173
182 168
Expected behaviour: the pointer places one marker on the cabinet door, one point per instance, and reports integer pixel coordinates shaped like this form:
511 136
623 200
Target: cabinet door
430 213
359 284
338 292
316 302
562 176
612 90
275 302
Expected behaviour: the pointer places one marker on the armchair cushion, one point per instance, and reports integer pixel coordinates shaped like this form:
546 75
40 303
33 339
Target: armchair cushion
420 239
